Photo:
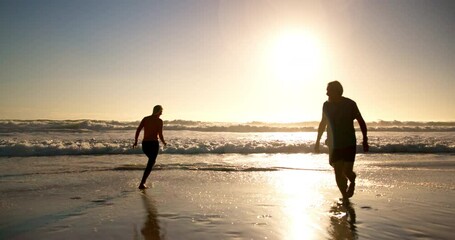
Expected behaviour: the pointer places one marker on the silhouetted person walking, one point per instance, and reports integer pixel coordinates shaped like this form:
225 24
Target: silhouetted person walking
153 128
338 114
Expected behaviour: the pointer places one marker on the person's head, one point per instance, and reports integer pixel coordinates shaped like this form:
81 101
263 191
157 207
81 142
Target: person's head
157 110
334 89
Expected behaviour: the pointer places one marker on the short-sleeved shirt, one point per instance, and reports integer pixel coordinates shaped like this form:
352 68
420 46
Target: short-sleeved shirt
340 123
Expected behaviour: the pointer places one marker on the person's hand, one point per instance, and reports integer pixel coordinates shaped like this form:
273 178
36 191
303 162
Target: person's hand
135 144
366 147
316 148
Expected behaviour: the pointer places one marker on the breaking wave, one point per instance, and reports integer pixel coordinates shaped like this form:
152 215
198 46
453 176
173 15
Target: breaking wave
11 148
11 126
94 137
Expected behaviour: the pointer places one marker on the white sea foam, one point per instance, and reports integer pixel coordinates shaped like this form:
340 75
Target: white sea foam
93 137
193 142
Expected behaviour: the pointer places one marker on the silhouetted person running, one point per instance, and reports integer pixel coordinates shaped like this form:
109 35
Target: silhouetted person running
153 128
338 114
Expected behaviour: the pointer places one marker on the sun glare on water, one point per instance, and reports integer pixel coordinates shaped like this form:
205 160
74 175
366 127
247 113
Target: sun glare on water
295 57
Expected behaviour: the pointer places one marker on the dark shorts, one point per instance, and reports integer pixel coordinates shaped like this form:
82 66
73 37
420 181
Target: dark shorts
342 154
151 148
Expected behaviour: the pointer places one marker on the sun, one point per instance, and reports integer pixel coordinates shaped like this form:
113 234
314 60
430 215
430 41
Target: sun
295 57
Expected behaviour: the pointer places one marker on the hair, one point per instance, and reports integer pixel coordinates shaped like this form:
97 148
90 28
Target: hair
335 87
157 109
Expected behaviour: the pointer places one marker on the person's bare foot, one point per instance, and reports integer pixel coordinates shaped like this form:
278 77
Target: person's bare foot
351 188
142 186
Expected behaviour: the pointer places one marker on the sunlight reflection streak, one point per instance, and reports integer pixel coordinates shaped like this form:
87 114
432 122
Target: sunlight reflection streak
300 196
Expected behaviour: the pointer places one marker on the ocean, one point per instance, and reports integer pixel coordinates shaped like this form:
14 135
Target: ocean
91 137
78 179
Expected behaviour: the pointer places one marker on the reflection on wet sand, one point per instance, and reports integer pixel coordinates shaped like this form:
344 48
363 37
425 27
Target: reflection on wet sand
342 221
151 228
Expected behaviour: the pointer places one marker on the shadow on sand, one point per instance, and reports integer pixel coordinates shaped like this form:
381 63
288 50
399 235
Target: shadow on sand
151 228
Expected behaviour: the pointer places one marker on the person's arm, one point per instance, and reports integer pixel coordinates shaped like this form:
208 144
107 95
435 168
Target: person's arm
138 131
321 129
363 128
160 133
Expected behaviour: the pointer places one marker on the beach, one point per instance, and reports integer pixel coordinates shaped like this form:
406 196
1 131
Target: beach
243 103
226 196
78 179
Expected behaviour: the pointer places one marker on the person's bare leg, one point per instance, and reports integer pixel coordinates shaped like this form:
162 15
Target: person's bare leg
144 179
350 174
340 178
147 172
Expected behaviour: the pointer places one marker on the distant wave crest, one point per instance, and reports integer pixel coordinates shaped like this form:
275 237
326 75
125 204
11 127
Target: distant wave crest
11 126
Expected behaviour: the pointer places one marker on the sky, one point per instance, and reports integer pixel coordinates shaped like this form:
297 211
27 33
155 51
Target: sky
226 60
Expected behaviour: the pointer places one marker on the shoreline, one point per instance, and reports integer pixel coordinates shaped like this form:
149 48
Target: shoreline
291 203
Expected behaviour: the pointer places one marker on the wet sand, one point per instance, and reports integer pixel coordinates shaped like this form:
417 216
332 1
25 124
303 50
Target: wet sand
269 204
